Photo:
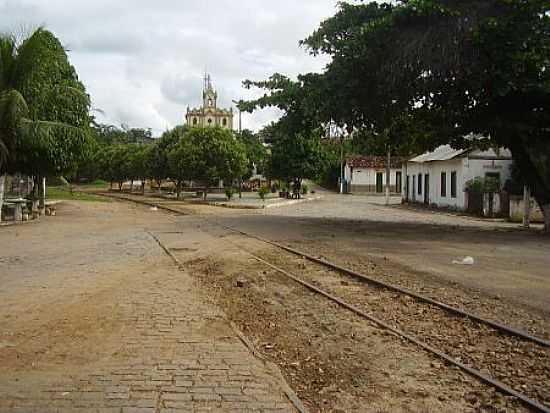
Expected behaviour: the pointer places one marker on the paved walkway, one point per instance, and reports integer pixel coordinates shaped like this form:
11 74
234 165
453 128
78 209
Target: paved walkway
159 346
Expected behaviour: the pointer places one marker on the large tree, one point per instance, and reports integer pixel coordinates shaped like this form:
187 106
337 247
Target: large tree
157 161
220 155
44 110
295 157
463 66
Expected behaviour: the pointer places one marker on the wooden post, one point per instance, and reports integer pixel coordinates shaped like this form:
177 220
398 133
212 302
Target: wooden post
526 206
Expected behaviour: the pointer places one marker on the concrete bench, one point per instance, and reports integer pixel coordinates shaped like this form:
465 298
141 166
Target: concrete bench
19 207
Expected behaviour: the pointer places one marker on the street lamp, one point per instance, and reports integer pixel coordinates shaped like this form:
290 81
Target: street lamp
240 115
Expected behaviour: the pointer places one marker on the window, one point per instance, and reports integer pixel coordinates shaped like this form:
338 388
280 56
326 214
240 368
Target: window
224 122
419 184
453 184
443 184
398 181
194 121
209 121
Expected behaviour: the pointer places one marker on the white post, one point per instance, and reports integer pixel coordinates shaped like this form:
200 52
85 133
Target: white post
341 165
44 191
526 206
388 176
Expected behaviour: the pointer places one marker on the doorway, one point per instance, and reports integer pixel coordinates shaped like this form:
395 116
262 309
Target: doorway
427 189
379 182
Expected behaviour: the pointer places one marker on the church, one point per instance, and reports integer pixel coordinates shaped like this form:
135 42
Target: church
209 114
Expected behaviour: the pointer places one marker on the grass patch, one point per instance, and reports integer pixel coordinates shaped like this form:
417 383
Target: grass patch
97 184
63 193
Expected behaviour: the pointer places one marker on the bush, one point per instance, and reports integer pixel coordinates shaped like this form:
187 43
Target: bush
263 191
229 192
305 189
483 185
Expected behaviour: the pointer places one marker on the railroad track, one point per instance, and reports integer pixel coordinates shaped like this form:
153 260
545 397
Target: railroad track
510 360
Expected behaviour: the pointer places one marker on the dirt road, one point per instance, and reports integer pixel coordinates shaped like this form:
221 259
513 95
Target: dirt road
94 315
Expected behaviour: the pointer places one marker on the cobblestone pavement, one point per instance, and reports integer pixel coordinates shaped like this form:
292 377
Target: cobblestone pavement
156 344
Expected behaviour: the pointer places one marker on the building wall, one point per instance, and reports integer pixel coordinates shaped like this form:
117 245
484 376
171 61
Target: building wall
216 117
364 179
466 169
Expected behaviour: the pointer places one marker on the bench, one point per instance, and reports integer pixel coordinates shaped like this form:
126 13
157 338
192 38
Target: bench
19 207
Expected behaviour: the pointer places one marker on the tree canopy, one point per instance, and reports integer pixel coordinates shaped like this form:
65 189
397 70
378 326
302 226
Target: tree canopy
44 108
453 68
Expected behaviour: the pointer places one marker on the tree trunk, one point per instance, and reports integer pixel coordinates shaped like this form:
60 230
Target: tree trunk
159 186
42 200
526 206
143 187
2 185
120 184
529 157
111 185
131 186
178 190
546 212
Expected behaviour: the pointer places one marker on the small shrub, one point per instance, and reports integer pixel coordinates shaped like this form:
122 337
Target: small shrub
229 192
305 189
262 192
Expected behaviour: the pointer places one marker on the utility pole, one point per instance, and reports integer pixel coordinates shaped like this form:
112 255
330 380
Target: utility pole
240 116
240 132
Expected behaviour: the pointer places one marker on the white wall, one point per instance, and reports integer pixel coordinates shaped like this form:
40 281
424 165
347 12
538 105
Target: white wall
465 168
367 176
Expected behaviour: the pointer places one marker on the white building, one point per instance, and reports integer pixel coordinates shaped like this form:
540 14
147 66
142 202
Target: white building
440 177
367 174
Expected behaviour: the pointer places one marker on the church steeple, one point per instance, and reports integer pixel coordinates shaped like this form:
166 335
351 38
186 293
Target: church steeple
209 95
209 114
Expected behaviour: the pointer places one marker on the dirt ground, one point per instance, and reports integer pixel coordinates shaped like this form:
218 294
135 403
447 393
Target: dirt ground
64 288
95 317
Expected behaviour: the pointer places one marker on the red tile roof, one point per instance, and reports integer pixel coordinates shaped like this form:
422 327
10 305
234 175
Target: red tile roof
374 162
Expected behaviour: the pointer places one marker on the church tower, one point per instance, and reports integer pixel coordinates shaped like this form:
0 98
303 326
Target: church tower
209 95
209 114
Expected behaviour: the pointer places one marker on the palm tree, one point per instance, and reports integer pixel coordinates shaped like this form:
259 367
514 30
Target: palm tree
24 136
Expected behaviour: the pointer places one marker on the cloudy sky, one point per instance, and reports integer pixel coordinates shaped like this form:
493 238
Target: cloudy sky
142 61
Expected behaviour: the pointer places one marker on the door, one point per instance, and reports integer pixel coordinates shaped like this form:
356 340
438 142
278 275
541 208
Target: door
398 182
426 189
379 182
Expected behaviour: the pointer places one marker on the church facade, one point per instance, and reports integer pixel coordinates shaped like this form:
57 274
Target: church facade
209 114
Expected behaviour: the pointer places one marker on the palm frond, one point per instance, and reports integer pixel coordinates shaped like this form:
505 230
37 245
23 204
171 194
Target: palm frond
31 52
7 57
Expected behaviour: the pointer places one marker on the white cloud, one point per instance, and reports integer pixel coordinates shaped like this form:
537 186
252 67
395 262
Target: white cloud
142 61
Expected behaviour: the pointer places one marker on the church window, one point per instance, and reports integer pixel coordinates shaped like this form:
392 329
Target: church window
194 121
210 102
224 121
209 121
